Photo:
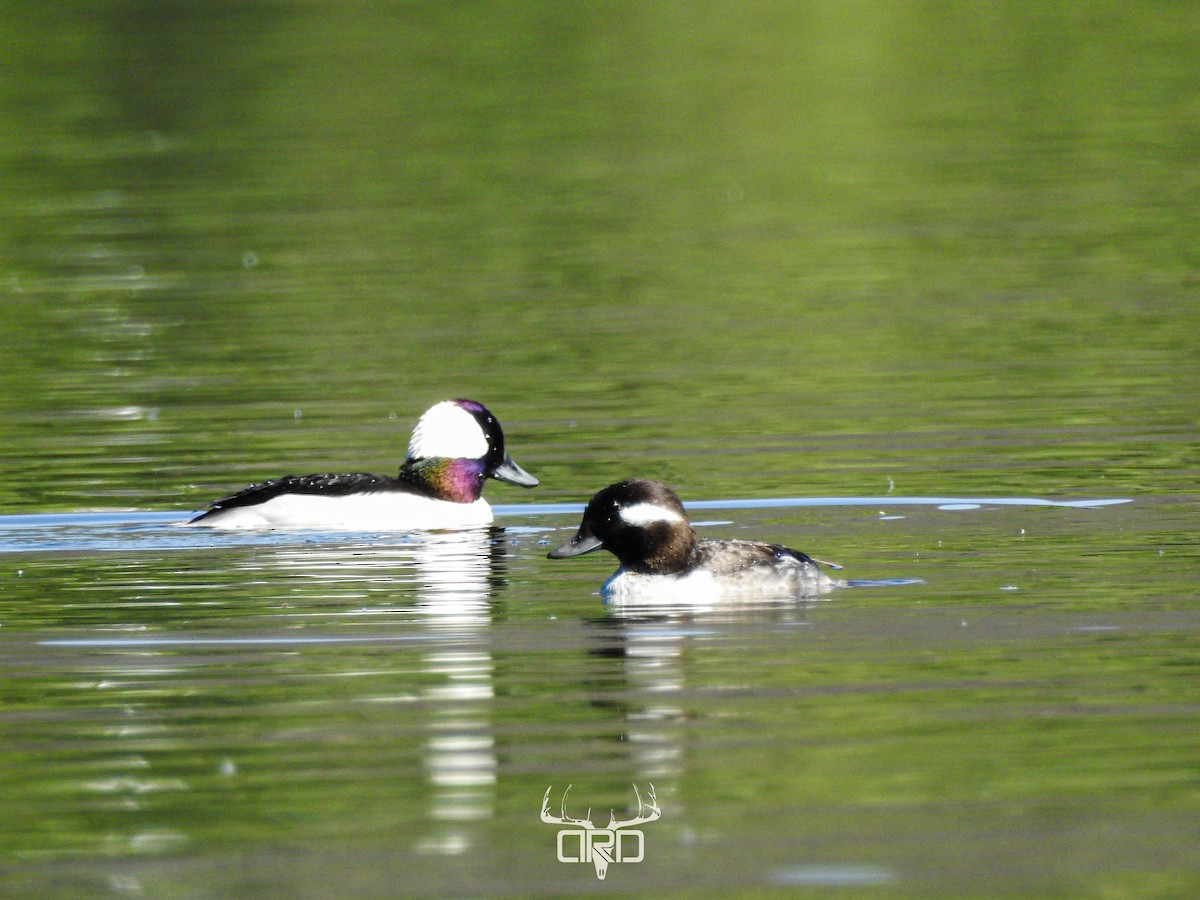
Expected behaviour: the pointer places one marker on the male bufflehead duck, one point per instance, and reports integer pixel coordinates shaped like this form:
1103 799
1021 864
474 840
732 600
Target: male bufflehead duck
642 523
456 445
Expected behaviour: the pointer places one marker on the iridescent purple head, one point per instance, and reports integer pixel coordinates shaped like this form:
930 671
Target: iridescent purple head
456 445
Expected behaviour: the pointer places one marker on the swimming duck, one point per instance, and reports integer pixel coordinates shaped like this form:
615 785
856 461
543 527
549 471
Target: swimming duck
455 447
643 524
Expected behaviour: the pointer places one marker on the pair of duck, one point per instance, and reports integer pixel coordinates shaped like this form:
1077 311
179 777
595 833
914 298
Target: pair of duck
456 446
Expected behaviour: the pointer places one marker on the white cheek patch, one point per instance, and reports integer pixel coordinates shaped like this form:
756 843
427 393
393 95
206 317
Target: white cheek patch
642 514
448 430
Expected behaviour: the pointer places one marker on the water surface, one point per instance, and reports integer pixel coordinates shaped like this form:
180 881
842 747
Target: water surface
910 289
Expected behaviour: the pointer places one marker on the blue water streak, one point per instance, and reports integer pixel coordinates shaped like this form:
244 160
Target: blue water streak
97 530
538 509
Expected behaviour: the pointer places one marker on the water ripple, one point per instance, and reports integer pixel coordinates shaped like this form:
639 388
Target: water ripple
149 529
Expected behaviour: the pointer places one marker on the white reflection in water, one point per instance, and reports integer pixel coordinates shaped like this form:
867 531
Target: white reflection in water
652 647
454 573
439 586
654 728
445 580
451 574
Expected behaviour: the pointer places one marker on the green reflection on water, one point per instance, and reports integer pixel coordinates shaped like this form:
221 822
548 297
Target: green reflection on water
754 249
662 226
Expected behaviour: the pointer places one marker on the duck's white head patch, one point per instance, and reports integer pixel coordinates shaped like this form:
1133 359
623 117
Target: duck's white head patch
643 514
448 430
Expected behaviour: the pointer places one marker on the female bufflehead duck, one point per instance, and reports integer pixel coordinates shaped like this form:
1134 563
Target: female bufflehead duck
642 523
456 445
